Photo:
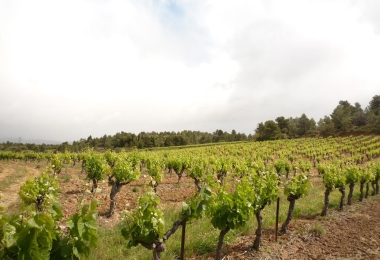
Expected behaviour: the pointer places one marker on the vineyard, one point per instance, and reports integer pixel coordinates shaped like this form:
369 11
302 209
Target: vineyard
193 203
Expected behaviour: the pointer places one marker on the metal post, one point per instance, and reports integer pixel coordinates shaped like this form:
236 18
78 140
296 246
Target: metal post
277 213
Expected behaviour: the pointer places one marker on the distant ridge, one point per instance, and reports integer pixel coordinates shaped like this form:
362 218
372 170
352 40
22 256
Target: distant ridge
28 141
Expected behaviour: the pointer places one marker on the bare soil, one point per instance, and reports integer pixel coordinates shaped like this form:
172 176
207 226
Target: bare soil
15 170
353 233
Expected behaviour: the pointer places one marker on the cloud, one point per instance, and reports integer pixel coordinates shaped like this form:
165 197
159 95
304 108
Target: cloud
70 69
370 13
298 57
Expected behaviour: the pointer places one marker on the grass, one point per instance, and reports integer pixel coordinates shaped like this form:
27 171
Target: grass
20 172
64 177
317 230
113 246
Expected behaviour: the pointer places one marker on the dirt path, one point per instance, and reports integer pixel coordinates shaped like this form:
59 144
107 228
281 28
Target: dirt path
20 172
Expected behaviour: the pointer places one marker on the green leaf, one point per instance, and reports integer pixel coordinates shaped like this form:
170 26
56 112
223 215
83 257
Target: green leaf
80 226
9 232
84 209
75 251
45 243
94 204
44 220
66 250
91 224
70 224
56 211
27 243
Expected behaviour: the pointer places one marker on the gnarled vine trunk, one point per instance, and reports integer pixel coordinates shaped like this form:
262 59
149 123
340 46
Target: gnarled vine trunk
220 176
367 190
342 190
94 185
39 202
114 190
350 194
158 250
198 184
160 246
292 201
83 166
373 184
155 185
180 174
327 202
220 242
259 230
361 191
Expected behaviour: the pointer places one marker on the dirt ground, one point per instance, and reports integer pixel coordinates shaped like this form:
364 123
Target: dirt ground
353 233
74 190
342 235
10 193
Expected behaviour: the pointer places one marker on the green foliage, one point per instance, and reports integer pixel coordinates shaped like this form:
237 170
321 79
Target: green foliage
156 170
146 223
110 157
298 186
180 164
135 159
197 205
36 235
342 115
222 166
232 210
265 189
258 166
305 166
241 169
44 186
32 239
366 175
82 233
352 174
321 168
376 169
125 171
197 169
96 166
333 177
281 166
268 131
56 164
67 157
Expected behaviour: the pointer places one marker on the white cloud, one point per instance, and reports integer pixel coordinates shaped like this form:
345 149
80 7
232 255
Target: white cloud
69 69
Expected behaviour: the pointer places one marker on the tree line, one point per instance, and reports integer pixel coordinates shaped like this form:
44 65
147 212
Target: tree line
143 140
345 118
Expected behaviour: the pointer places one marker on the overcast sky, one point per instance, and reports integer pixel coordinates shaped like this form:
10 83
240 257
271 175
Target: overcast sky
70 69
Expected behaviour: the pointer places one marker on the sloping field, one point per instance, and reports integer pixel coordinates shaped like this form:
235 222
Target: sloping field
351 233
